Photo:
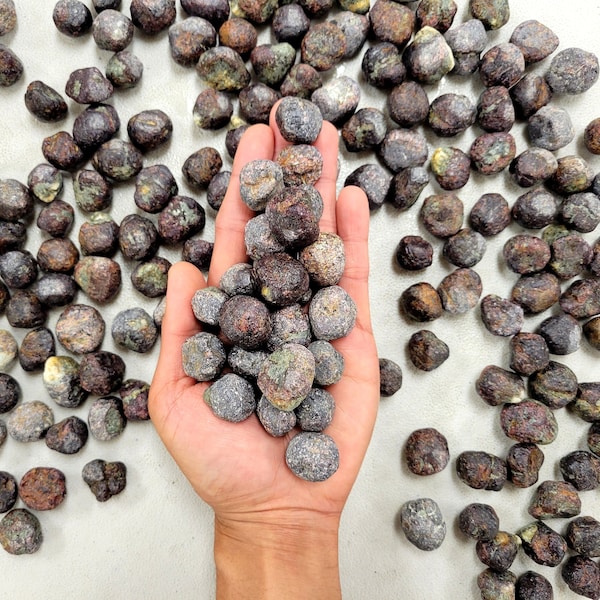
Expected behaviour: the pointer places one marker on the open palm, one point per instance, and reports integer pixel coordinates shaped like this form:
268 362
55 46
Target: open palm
238 468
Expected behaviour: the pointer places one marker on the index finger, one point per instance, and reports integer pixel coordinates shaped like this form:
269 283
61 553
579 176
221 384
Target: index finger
229 249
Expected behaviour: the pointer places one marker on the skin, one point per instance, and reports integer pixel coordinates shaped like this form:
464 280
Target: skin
275 535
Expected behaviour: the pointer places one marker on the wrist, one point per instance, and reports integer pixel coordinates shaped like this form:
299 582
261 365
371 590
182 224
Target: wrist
291 556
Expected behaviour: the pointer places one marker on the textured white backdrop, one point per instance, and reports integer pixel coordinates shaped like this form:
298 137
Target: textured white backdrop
154 541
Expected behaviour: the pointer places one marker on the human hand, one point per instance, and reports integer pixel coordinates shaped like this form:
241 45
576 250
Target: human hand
238 468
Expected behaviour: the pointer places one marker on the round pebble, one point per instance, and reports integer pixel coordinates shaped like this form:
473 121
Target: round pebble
231 398
329 362
426 451
286 377
312 456
9 491
135 330
332 313
20 532
61 380
67 436
276 422
105 479
30 421
43 488
390 377
260 180
80 328
203 356
316 411
8 349
106 419
422 523
299 120
10 392
101 372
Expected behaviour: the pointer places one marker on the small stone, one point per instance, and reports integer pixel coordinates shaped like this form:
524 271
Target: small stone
281 278
466 40
134 329
422 523
495 109
374 180
481 470
403 148
582 575
118 160
550 128
106 419
260 180
101 372
529 421
99 277
189 39
426 351
11 67
390 377
301 81
9 491
451 114
553 499
239 34
492 152
80 328
478 521
426 451
20 532
572 71
286 377
289 324
271 62
88 86
421 302
501 316
124 70
524 460
276 422
105 479
8 349
231 398
30 421
337 99
67 436
382 65
428 57
499 552
323 46
42 488
302 164
95 125
8 16
203 356
451 167
134 396
239 279
212 109
332 313
535 40
316 411
246 363
583 536
10 392
223 69
460 290
37 345
365 130
312 456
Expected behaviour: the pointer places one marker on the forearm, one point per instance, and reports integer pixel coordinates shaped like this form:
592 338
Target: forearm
259 562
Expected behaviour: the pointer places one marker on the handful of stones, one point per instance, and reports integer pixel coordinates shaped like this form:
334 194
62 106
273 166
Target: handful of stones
267 328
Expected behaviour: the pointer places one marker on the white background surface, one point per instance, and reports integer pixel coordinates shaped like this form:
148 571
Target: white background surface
155 539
